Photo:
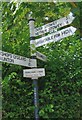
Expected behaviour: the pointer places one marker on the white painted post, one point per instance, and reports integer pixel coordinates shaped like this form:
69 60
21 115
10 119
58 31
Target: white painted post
33 56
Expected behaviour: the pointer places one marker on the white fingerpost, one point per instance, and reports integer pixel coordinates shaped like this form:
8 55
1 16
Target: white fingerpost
33 56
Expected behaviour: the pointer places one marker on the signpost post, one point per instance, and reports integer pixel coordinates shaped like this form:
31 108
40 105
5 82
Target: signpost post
33 56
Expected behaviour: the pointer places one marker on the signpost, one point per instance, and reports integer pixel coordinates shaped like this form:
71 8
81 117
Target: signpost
33 55
41 56
54 25
16 59
55 36
34 73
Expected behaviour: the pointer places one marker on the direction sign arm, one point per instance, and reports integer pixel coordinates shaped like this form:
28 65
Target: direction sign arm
16 59
54 25
55 36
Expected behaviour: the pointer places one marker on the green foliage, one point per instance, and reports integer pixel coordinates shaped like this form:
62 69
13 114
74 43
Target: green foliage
60 90
18 96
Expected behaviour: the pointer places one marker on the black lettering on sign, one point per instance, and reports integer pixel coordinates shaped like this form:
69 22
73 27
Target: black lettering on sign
52 24
4 59
23 58
60 25
40 71
5 54
16 57
41 56
44 31
8 60
38 29
57 35
27 71
41 32
70 30
37 33
52 37
19 57
33 72
52 28
1 58
67 20
47 39
65 32
29 63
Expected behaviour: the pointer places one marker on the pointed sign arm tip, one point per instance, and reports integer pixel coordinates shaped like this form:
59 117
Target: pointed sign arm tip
73 28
